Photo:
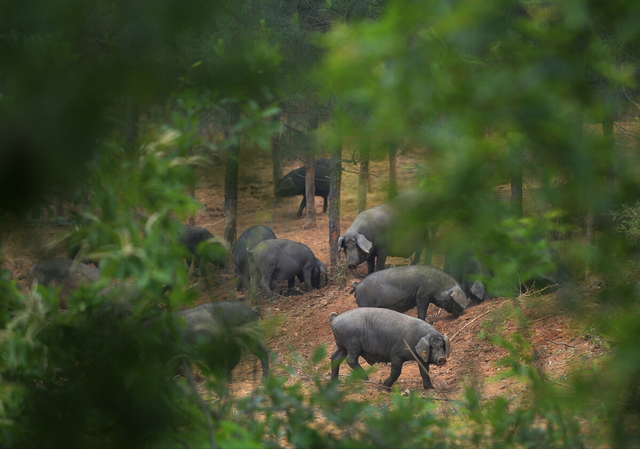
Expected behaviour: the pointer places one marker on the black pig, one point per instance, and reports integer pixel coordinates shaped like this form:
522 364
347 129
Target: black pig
247 241
381 335
191 237
293 184
213 327
282 260
403 288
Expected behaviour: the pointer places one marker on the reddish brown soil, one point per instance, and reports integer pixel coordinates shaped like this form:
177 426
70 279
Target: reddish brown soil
298 323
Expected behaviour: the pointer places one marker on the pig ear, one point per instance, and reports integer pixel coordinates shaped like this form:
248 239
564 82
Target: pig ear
340 242
458 296
423 346
364 244
447 346
478 290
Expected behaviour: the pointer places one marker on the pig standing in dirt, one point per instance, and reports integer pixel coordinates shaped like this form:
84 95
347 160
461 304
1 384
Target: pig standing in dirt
220 328
465 268
381 335
394 228
282 260
403 288
66 273
193 236
247 241
293 184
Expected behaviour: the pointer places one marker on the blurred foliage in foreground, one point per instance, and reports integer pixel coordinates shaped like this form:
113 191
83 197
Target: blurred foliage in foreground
477 83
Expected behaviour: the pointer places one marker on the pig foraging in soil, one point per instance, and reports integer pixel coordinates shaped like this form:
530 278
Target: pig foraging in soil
389 229
192 237
403 288
381 335
247 241
220 329
283 260
66 273
465 268
293 184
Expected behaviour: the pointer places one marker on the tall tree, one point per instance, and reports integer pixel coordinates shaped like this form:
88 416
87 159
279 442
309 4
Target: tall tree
334 205
364 181
393 171
310 180
517 161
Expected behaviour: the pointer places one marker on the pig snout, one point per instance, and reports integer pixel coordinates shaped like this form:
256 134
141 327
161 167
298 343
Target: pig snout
352 266
441 361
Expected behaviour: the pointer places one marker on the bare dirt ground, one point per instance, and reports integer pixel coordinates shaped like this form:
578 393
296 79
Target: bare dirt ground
297 324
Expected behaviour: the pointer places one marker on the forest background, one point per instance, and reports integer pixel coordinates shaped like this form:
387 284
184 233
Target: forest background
114 106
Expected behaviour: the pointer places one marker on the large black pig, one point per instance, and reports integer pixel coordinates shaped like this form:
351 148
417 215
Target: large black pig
381 335
293 184
403 288
395 228
215 328
192 237
246 242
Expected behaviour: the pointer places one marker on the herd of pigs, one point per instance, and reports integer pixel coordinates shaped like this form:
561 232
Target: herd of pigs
377 330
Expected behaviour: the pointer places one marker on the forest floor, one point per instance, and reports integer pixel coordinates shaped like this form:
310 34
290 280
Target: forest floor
296 325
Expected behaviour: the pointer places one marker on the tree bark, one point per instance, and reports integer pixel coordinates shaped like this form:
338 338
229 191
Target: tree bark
334 206
191 221
131 131
517 155
393 172
310 189
363 178
231 203
276 165
310 186
587 181
609 142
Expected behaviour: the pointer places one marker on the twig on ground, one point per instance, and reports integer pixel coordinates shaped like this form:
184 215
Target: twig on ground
475 319
560 343
216 223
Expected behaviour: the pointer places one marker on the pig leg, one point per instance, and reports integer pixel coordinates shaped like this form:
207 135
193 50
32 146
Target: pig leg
396 370
352 360
426 380
422 302
196 264
307 279
416 257
303 204
261 352
291 283
267 278
336 359
380 260
324 208
371 265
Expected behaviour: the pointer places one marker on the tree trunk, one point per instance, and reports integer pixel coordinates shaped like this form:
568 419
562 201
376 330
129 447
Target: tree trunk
310 186
231 203
609 142
393 172
363 178
276 165
587 181
191 221
517 155
334 206
131 131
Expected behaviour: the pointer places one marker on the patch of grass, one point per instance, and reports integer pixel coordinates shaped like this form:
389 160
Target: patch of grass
272 326
339 276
